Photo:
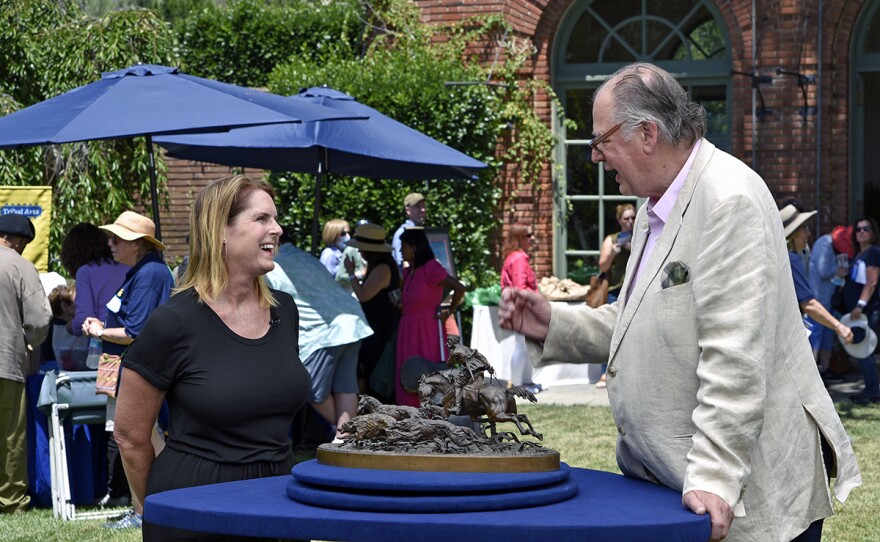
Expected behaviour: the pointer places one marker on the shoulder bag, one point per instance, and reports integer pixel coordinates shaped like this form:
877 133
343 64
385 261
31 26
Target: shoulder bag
598 293
109 366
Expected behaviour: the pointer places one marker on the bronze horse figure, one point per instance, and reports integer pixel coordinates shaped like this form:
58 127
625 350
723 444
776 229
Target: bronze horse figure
482 401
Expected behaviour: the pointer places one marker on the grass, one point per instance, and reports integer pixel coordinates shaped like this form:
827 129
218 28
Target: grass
585 437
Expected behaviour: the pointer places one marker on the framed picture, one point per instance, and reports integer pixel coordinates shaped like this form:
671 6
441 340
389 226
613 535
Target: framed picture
438 238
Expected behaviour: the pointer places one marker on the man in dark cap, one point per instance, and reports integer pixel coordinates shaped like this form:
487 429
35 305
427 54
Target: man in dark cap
25 312
16 231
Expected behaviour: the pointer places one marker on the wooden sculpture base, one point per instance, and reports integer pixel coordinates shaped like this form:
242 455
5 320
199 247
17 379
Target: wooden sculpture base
530 460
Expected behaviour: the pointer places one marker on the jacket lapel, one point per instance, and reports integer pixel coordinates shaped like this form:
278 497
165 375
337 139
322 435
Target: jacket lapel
628 307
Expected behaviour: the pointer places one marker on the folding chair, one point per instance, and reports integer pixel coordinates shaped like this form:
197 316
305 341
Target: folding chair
69 397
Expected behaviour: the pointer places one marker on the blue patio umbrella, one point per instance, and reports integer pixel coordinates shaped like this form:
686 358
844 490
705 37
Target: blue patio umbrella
379 147
148 100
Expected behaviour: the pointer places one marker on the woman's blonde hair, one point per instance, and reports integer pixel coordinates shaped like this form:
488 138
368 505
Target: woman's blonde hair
332 230
216 207
515 234
622 208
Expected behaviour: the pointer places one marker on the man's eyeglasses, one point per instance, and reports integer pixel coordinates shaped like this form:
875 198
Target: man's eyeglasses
866 229
112 239
604 138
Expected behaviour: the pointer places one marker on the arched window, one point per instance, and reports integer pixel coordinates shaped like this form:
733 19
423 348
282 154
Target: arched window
686 37
865 181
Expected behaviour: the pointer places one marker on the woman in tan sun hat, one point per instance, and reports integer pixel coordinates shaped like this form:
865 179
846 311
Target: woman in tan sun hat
379 294
147 285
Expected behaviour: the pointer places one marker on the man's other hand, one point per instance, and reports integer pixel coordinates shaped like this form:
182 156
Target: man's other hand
720 513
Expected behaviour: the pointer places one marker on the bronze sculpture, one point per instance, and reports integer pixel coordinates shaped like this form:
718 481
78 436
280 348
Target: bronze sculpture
471 365
409 438
482 401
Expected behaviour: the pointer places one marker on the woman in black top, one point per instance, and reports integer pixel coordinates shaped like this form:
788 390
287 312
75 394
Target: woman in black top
223 352
376 292
861 297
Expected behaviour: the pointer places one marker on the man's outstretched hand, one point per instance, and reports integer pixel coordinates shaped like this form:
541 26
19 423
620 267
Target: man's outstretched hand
525 312
720 513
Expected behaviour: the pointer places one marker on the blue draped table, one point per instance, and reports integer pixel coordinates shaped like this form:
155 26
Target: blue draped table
608 507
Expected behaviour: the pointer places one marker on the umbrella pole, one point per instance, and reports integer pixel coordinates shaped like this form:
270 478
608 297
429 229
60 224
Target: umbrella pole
154 193
319 178
319 181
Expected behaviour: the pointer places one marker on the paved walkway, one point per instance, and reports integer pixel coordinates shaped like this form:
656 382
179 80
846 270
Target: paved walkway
588 394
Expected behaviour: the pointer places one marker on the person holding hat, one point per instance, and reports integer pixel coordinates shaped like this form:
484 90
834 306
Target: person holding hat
828 268
797 236
379 295
147 285
861 300
416 212
24 318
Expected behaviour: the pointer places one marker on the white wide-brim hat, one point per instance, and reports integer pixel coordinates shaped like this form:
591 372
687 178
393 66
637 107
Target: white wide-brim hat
792 219
866 346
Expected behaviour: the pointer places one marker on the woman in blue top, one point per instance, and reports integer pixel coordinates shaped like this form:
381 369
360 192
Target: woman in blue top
147 285
798 236
860 298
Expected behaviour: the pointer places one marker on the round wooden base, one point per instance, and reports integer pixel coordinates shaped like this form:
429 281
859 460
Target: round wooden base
330 454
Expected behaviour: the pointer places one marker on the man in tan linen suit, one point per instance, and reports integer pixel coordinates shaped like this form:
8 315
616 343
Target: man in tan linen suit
710 376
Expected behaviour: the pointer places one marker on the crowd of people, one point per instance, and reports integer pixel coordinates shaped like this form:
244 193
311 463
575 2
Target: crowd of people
704 308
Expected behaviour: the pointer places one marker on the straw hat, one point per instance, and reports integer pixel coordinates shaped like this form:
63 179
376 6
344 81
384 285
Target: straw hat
792 219
864 338
130 226
369 238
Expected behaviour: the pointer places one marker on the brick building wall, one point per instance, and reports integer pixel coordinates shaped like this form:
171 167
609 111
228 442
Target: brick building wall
782 147
185 180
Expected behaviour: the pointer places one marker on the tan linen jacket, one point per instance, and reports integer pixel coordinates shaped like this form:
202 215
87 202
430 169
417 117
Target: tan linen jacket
711 379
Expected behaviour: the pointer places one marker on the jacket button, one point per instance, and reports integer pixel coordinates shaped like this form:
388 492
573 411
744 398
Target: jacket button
621 430
612 371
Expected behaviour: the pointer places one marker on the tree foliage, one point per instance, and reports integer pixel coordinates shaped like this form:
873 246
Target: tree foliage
378 51
47 48
242 42
429 84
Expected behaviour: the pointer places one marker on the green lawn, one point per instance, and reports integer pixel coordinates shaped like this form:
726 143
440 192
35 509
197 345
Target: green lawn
585 437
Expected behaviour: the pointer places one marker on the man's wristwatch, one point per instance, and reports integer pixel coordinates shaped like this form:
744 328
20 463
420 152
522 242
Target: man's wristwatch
862 303
100 333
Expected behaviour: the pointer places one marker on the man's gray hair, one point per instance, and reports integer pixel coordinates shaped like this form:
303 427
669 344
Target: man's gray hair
644 92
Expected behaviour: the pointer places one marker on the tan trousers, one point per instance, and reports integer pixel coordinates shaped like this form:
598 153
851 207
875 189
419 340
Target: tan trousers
13 447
